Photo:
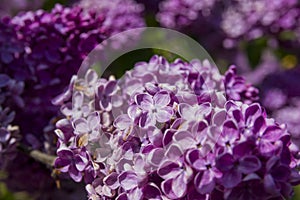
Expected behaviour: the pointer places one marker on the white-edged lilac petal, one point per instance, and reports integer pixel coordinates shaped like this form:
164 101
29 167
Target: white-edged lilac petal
75 174
128 180
134 111
156 156
93 120
110 88
164 114
169 169
161 99
80 162
174 152
204 182
122 122
91 77
179 187
166 187
77 99
81 126
185 110
145 101
112 180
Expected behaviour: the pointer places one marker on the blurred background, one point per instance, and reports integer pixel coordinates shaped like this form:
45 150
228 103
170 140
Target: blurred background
260 37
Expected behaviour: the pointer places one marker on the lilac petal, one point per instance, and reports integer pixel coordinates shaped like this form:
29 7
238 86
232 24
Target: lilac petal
146 120
270 185
62 164
77 99
204 182
273 133
161 99
110 88
75 174
81 126
156 156
242 149
237 115
231 178
258 124
179 186
122 122
203 110
91 76
128 180
230 131
192 155
164 114
93 120
200 164
134 111
122 196
249 164
166 187
185 110
168 135
266 148
136 193
168 170
105 104
80 162
65 153
145 101
225 162
112 180
219 118
174 152
151 191
184 139
252 112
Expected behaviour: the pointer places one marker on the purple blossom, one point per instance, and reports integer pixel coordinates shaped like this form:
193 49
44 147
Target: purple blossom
72 161
155 109
192 135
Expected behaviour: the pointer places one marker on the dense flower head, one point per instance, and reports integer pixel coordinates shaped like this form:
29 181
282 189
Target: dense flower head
252 19
39 52
172 131
232 20
10 91
43 49
181 13
120 15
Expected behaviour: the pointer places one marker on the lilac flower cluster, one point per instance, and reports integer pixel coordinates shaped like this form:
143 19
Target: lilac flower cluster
281 97
172 131
10 91
39 52
253 19
44 49
182 13
234 19
120 15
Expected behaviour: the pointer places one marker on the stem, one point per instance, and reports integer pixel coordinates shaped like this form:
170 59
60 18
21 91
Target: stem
42 157
38 155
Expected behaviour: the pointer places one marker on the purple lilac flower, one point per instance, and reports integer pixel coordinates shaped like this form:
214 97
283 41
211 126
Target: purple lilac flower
120 15
181 13
236 86
253 19
198 141
40 51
